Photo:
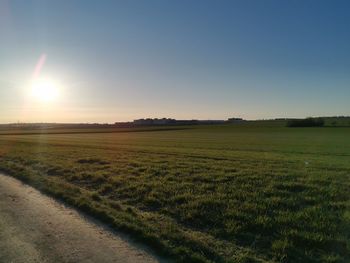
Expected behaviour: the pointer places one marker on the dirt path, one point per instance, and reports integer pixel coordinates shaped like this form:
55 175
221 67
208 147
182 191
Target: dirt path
36 228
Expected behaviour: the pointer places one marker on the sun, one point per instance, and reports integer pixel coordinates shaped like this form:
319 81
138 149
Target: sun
44 90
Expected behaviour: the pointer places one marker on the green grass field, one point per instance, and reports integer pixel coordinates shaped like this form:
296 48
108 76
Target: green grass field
229 193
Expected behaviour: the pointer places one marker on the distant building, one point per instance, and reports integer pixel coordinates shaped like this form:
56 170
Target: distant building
169 121
235 119
155 121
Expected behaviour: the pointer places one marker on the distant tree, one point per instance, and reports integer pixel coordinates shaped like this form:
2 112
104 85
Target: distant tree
308 122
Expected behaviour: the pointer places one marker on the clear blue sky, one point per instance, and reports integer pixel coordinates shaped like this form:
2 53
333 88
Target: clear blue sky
120 60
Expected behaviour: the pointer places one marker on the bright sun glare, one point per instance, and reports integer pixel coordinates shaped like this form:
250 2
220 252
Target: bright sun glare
44 90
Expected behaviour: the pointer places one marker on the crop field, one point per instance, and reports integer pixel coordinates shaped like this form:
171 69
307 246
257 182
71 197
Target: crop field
220 193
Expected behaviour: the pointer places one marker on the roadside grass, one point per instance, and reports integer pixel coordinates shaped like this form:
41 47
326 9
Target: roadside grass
220 193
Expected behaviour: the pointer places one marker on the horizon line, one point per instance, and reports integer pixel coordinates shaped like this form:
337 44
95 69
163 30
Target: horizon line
131 121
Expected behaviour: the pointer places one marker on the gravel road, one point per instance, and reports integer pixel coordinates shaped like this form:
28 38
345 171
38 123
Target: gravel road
36 228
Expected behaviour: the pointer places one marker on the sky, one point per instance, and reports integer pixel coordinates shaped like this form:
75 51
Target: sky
186 59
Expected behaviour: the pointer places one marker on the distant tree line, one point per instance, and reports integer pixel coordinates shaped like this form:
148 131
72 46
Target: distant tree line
308 122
